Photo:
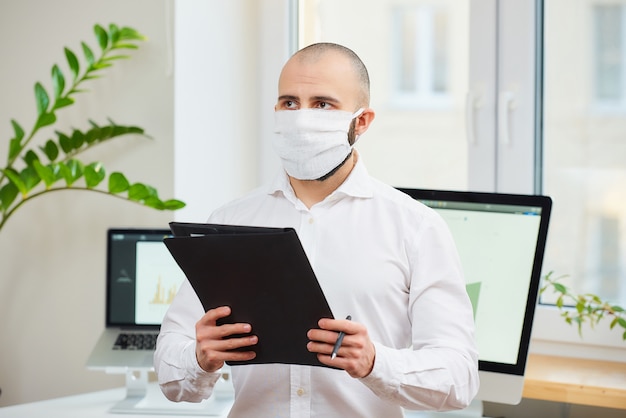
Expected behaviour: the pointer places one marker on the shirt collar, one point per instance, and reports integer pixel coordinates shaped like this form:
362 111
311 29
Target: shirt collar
358 184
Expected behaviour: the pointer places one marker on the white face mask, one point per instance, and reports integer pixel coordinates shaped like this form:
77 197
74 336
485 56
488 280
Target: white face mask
312 142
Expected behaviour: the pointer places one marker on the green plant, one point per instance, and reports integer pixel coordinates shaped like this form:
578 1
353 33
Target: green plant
586 307
52 166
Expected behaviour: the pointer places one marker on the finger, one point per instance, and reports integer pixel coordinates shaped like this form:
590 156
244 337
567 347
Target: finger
230 344
217 333
320 348
322 336
212 315
345 325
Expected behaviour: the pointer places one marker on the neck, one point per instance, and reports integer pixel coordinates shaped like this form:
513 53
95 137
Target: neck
311 192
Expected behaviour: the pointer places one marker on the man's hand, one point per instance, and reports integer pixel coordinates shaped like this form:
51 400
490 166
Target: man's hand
213 347
356 354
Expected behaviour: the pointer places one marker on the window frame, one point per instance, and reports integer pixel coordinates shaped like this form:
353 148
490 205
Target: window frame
551 334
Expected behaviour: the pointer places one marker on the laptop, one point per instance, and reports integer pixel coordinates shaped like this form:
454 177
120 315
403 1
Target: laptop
142 279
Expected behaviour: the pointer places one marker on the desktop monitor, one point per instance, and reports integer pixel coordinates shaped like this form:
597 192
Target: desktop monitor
501 240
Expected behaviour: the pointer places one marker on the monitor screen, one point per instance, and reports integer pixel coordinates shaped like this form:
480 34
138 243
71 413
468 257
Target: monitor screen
500 239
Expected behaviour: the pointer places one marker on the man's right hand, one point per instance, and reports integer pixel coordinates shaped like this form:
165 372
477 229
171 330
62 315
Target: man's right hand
213 347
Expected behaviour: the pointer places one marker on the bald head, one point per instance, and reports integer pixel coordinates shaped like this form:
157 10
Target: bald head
313 53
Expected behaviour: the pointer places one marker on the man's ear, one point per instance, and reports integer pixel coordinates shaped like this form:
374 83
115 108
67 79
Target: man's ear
363 121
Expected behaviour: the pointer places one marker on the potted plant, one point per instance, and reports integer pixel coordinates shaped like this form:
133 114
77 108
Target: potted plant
54 165
588 307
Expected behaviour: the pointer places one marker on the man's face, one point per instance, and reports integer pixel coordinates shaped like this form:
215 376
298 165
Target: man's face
326 82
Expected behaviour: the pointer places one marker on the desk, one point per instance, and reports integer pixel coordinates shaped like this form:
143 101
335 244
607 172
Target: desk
576 381
550 378
98 404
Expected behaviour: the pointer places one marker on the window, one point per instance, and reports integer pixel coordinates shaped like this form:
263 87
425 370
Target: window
609 55
416 52
584 167
419 45
527 95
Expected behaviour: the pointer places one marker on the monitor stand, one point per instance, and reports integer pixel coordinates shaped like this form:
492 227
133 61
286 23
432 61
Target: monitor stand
143 397
474 410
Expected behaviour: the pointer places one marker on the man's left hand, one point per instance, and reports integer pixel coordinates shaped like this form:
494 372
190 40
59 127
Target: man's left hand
356 354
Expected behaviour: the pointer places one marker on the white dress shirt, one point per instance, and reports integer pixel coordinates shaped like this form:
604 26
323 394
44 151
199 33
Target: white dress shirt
380 256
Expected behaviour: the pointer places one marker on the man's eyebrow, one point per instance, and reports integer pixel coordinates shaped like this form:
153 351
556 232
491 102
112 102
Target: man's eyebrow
287 97
314 98
324 99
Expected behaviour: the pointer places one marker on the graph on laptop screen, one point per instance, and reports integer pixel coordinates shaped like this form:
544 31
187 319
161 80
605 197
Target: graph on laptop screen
143 277
500 239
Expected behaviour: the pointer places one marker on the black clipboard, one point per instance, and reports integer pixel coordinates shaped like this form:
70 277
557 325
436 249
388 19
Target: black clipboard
264 275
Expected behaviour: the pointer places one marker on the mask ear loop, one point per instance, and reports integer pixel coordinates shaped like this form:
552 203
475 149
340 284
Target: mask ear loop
358 113
354 116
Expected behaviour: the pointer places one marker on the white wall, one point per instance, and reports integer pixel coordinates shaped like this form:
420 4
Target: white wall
52 251
208 77
226 83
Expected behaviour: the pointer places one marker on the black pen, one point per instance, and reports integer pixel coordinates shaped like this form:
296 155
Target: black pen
339 340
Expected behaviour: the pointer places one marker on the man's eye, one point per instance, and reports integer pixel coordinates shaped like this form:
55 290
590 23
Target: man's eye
289 104
323 105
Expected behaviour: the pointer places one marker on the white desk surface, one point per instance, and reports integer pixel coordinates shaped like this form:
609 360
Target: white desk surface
98 404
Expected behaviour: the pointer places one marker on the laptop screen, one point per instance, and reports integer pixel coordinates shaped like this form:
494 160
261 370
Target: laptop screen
500 239
142 277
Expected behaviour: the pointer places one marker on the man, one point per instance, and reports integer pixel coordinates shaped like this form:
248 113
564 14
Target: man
380 256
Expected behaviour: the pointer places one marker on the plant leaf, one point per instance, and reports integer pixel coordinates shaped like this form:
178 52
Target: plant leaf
41 96
78 139
127 33
125 46
47 173
58 81
72 61
14 148
88 54
65 142
15 178
51 150
45 119
30 177
114 33
63 102
94 174
71 171
8 193
30 156
19 132
560 288
154 202
93 135
101 35
101 65
138 192
118 183
173 204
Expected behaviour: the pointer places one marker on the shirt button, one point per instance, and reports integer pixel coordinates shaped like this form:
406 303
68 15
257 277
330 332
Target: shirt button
300 392
311 220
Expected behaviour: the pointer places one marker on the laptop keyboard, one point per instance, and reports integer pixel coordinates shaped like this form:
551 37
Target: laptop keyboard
136 341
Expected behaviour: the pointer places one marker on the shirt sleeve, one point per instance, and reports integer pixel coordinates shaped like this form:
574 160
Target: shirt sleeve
179 375
440 370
